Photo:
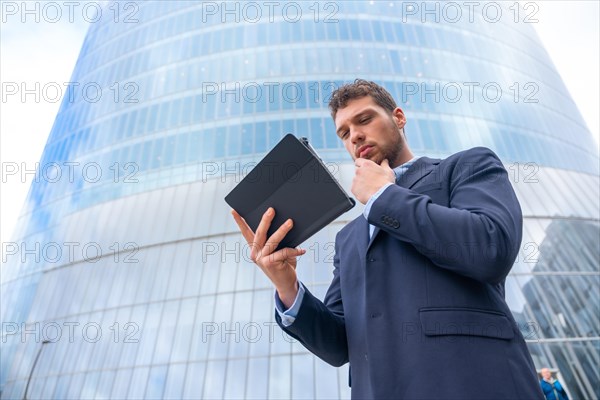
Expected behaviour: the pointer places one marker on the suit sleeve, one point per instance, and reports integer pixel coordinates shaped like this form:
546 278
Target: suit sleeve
319 326
477 236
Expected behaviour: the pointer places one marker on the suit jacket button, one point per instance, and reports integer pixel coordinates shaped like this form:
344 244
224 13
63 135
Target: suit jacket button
395 224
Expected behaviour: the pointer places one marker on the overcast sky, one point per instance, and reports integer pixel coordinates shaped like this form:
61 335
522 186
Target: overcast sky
46 52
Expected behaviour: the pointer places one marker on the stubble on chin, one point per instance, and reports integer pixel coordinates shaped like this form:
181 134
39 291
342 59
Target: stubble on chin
393 155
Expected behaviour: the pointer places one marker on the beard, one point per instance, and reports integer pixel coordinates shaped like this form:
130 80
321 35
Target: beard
391 151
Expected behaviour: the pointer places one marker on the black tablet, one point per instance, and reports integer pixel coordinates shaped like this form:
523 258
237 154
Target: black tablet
293 180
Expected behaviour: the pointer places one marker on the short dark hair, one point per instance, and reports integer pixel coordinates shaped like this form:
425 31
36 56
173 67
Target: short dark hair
358 89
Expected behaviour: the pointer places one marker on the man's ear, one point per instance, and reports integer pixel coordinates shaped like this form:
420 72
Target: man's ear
399 117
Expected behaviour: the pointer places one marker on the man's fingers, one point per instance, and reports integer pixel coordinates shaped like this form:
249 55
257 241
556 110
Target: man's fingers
361 162
286 253
386 165
261 232
278 236
258 242
244 228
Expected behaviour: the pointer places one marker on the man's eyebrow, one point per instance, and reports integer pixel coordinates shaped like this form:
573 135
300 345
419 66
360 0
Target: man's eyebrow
355 117
363 112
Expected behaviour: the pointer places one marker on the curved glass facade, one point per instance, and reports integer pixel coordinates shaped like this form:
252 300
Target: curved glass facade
127 277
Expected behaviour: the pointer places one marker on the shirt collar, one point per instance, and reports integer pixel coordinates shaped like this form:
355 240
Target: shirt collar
400 169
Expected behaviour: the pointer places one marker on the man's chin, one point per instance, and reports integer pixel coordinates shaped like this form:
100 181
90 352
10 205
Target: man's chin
377 159
374 159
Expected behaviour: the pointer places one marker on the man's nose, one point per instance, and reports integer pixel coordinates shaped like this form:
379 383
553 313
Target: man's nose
356 135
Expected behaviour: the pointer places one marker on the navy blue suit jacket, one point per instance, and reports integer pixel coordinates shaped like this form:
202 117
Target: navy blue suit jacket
418 310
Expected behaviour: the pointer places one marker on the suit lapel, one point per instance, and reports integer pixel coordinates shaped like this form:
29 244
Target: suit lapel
375 232
420 169
362 240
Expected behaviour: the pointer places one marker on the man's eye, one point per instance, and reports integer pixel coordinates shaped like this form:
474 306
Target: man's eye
365 120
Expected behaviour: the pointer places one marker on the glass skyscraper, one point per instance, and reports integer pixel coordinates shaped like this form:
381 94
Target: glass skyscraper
127 277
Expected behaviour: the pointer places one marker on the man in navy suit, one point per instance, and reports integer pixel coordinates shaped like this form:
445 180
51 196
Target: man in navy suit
416 304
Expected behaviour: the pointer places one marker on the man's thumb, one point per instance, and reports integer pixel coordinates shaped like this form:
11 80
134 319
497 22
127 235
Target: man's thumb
386 163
